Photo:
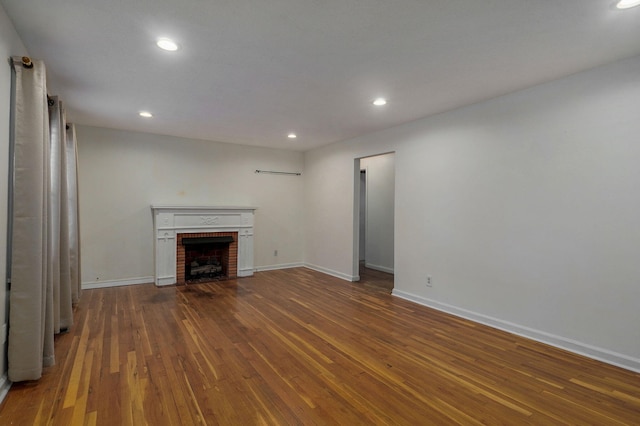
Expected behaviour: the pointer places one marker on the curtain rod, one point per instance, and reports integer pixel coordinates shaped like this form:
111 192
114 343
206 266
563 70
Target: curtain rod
271 172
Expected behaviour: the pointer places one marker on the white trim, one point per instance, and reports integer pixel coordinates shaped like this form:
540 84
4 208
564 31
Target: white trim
246 272
5 385
333 273
196 229
117 283
600 354
162 281
378 268
182 208
279 266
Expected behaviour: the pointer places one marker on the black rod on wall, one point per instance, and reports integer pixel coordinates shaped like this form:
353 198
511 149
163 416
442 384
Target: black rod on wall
271 172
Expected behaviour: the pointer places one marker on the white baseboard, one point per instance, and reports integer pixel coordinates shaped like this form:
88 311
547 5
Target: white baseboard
336 274
378 268
5 385
600 354
279 266
116 283
245 272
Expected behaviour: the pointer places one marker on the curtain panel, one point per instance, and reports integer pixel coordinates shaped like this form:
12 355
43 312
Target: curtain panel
45 255
70 225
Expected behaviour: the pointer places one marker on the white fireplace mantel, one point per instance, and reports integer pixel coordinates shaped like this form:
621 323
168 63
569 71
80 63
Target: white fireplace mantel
169 221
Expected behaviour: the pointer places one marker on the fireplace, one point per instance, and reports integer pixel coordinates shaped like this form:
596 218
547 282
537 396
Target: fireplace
206 256
214 226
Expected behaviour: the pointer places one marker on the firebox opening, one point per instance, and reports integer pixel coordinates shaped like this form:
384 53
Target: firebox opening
206 258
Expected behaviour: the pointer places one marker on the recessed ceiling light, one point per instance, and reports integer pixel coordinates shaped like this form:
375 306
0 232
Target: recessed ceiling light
167 44
145 114
380 102
626 4
292 136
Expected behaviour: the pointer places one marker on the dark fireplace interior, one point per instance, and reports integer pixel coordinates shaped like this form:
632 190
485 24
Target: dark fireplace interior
206 258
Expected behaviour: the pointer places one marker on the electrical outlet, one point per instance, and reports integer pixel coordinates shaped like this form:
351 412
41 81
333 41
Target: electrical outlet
275 252
429 281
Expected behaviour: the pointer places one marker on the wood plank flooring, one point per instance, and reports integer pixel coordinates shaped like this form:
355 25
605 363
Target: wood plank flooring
299 347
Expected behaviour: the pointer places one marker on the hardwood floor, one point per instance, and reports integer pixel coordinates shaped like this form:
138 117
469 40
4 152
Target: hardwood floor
299 347
376 280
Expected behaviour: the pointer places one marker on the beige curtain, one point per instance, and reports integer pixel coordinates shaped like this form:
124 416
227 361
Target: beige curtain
44 239
70 226
58 211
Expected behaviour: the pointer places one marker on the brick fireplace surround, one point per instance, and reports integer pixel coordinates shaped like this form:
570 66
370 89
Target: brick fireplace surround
231 259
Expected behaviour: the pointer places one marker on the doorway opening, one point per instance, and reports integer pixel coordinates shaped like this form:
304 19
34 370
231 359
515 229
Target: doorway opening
374 224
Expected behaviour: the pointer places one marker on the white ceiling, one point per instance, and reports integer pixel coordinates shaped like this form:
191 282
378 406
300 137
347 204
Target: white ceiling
251 71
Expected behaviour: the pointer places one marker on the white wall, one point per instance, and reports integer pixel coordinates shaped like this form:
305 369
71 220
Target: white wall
10 45
379 209
122 173
524 210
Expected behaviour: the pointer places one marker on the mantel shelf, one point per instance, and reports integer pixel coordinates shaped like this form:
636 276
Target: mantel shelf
213 208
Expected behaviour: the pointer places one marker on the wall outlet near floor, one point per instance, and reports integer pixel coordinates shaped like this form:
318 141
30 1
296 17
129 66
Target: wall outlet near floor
429 281
275 252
